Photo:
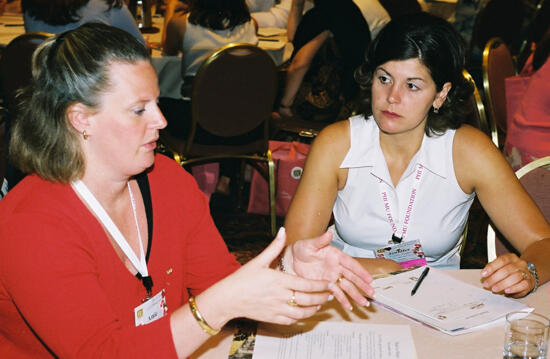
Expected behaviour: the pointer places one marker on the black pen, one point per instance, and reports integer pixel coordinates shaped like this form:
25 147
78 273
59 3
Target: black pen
420 279
270 40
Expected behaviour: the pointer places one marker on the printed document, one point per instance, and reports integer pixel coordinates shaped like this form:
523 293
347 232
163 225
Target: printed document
334 340
443 302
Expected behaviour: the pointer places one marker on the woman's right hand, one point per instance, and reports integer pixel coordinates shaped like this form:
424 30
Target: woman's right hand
258 292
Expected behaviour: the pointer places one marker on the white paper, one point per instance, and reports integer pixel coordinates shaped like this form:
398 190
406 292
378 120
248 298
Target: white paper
335 340
271 45
271 31
443 302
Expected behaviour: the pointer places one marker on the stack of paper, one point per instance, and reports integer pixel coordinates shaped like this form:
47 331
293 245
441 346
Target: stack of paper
335 340
442 302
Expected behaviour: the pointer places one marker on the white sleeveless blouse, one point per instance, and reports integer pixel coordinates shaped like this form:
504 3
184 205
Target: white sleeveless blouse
199 42
440 208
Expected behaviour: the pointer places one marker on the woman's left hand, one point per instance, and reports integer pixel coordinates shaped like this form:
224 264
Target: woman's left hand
508 274
316 259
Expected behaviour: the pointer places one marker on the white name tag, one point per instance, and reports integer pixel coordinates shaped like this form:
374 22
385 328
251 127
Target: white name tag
407 254
153 309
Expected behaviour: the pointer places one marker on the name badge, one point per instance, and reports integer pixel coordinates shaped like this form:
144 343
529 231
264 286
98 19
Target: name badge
151 310
407 254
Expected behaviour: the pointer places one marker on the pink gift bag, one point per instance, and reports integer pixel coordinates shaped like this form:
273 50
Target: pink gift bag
289 159
206 176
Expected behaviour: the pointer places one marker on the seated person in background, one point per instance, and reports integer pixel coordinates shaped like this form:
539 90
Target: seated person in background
209 25
56 16
407 169
528 128
173 9
352 23
271 13
102 223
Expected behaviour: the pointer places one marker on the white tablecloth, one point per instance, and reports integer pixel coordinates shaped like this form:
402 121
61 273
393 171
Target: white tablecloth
429 343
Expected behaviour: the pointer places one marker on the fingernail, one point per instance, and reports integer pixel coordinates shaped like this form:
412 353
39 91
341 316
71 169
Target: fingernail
350 308
484 273
330 297
367 304
281 231
318 307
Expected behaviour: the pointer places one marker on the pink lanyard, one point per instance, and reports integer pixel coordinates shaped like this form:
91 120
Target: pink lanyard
408 212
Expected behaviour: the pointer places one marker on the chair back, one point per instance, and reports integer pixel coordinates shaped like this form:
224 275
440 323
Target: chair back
476 115
535 178
240 79
234 92
16 66
498 64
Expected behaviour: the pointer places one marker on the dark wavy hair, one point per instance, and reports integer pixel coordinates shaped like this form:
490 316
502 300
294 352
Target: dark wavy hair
59 12
219 14
439 47
71 67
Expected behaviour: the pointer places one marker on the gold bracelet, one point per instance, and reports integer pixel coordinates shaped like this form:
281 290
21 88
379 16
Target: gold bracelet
204 325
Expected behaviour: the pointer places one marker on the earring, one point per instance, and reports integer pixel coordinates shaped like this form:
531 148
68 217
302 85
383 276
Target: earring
84 135
436 109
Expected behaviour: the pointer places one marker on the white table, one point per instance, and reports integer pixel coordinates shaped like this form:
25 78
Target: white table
11 26
429 343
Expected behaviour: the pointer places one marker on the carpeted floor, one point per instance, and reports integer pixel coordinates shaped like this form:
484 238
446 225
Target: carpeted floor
246 235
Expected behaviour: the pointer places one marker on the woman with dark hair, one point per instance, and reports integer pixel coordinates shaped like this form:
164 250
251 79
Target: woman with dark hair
108 250
56 16
405 172
209 25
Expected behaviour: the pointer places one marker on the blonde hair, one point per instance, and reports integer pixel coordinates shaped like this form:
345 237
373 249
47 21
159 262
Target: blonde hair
69 68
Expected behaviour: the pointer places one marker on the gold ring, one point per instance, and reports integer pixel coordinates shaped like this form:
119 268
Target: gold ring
292 300
339 279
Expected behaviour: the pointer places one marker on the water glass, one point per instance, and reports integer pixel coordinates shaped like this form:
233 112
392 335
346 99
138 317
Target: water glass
526 336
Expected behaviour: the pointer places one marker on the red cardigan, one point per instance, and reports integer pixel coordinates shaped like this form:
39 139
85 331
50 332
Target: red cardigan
65 293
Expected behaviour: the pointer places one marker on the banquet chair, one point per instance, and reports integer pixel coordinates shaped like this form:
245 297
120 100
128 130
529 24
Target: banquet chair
233 95
15 66
535 178
498 64
477 116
